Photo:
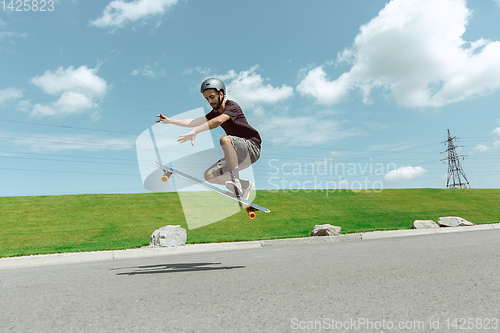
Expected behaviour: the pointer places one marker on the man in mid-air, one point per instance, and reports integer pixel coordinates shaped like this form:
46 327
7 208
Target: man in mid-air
241 144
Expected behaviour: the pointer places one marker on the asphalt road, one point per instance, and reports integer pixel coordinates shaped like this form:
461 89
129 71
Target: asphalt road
408 284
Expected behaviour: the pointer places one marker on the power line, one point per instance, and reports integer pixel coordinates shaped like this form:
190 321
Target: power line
72 172
66 156
65 141
64 126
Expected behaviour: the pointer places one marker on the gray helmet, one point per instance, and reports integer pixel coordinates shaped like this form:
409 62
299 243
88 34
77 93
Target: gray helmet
213 83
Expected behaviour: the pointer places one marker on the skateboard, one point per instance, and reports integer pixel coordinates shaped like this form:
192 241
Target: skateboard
251 208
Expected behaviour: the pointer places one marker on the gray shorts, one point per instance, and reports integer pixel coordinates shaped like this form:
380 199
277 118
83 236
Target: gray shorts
248 153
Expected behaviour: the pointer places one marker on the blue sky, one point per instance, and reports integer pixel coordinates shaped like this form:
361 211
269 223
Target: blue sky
357 94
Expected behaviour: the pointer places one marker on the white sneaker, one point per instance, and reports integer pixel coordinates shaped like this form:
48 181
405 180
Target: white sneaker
234 186
246 192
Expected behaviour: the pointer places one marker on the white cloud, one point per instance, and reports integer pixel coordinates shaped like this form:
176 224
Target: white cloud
148 70
12 34
78 89
252 92
404 173
10 93
248 89
119 12
482 148
414 49
303 131
326 92
24 105
69 79
203 71
53 143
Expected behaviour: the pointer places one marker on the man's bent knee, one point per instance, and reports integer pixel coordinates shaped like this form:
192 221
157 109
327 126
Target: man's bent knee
226 140
208 176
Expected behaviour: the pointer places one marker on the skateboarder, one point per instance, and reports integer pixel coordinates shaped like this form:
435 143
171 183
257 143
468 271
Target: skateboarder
241 145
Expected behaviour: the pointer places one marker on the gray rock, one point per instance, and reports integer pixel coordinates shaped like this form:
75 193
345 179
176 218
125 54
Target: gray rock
169 236
424 224
453 221
325 230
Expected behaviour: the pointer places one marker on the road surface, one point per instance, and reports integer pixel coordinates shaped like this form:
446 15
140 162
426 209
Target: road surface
435 283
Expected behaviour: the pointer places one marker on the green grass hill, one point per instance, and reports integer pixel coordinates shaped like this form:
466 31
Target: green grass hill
52 224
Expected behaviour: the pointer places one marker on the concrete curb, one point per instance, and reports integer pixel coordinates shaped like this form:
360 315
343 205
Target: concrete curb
417 232
145 252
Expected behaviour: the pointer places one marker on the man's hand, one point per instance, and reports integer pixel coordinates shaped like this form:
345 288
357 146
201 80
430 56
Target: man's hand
163 119
187 137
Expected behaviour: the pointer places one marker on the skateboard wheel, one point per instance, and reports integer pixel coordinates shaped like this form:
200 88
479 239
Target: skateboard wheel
251 209
164 179
252 215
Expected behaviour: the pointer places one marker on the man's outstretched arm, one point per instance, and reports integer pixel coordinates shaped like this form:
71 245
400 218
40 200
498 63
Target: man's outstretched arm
181 122
207 125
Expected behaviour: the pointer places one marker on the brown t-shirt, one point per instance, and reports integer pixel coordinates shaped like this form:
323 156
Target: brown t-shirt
237 125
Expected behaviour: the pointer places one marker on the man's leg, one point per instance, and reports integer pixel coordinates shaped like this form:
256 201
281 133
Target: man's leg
231 157
226 171
236 185
219 173
215 177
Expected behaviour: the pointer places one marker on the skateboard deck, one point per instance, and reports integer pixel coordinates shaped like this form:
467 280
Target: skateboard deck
251 207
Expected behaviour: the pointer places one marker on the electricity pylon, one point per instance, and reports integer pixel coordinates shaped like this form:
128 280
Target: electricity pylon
455 171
